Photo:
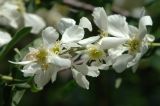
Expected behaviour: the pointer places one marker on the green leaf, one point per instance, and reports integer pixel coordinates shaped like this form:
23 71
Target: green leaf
17 97
16 38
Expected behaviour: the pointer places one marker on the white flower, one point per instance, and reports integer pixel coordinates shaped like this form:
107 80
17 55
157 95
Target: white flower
112 28
9 16
36 63
34 21
4 38
44 62
136 44
12 13
90 60
65 23
55 47
113 24
45 67
69 38
70 33
81 71
93 52
124 38
49 59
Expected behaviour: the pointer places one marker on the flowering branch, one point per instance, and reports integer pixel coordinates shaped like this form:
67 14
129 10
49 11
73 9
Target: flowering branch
118 44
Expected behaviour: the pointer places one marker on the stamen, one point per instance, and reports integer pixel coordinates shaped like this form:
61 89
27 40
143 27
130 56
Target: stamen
134 45
103 33
95 53
41 57
57 48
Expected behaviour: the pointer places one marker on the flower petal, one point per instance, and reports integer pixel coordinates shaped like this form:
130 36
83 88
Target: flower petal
93 71
144 49
22 62
54 70
82 68
42 77
80 79
72 34
54 75
88 70
62 62
103 66
85 23
89 40
117 51
49 36
111 42
144 21
30 69
135 60
117 26
121 62
65 23
100 18
109 61
138 12
4 38
133 31
34 21
150 38
10 16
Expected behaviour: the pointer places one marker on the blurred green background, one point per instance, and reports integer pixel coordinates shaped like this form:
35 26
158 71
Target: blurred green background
136 89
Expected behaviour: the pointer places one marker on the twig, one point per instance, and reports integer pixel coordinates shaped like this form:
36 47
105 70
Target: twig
78 4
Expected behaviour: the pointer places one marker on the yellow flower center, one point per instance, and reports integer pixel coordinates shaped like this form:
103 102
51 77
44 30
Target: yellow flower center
41 57
57 48
20 4
95 53
134 45
103 33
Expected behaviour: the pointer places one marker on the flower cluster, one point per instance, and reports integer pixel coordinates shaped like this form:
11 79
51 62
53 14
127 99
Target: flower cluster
118 44
13 14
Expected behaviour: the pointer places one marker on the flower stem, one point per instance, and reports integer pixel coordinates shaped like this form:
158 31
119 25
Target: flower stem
154 44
